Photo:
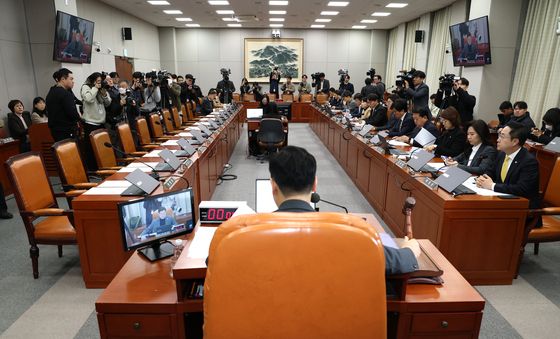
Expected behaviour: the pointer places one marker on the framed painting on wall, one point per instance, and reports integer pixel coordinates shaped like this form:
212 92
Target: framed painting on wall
262 55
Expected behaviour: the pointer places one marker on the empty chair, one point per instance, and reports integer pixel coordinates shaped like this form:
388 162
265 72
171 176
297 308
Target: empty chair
271 97
185 121
271 134
287 97
157 128
176 117
168 123
127 141
249 97
104 156
295 275
144 137
236 97
322 98
71 166
35 199
306 97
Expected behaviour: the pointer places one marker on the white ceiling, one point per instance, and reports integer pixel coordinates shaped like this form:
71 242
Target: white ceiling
300 13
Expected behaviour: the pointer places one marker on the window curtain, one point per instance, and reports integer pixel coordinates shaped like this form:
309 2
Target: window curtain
392 65
538 65
439 39
409 59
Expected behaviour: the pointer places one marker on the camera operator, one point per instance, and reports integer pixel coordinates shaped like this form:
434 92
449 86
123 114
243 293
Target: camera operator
194 93
225 87
456 95
420 94
288 87
274 79
114 111
63 115
95 98
507 111
304 87
116 79
128 105
345 84
137 88
320 83
151 95
174 92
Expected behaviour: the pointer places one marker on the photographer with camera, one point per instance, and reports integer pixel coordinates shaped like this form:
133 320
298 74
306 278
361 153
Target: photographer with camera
320 83
274 79
419 92
454 92
194 93
245 87
128 104
379 85
95 98
114 111
137 87
304 87
151 94
174 92
225 87
345 84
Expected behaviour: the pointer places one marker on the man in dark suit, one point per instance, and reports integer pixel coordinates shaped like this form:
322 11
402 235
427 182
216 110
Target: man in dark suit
516 171
420 94
293 179
322 84
18 124
359 106
402 124
378 113
421 120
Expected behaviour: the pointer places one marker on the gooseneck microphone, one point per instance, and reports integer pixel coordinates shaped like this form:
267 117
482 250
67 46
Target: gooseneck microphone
154 174
315 198
408 206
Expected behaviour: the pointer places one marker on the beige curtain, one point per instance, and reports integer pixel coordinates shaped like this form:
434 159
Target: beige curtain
439 39
392 65
538 65
409 59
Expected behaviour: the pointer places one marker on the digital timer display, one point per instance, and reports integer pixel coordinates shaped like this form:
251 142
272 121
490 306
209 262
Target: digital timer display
216 214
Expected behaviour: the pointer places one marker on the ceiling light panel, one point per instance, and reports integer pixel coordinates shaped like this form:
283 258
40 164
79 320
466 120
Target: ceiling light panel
277 12
317 26
277 19
368 21
323 20
192 25
159 3
218 3
234 25
278 3
229 19
338 3
380 14
183 19
225 11
276 25
397 5
358 27
172 11
329 13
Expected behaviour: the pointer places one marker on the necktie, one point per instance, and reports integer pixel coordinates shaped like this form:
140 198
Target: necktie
504 171
400 125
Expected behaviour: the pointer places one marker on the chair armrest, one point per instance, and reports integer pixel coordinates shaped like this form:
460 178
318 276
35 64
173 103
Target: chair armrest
545 211
49 212
114 168
139 153
165 138
128 160
150 146
104 172
81 185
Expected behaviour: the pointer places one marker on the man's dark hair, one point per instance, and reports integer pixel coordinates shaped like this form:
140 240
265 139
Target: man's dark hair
61 73
289 77
481 128
552 117
358 96
424 112
304 76
332 89
378 77
433 96
12 104
400 105
394 97
505 105
92 78
113 74
180 77
464 81
368 81
346 94
293 169
372 97
518 131
520 105
321 75
419 74
137 75
161 208
189 76
212 91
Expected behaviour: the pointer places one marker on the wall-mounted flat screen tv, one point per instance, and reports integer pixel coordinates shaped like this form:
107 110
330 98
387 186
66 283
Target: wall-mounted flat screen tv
73 39
470 43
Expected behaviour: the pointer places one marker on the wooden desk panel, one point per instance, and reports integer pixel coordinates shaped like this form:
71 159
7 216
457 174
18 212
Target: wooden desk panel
7 150
546 160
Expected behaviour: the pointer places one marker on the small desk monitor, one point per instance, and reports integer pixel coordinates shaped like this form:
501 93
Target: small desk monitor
147 223
254 113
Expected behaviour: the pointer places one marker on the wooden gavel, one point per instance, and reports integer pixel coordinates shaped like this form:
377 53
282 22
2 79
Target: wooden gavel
409 204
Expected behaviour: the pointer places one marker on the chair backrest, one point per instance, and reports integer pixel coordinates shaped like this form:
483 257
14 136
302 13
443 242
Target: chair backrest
184 112
125 137
271 131
30 182
248 97
288 97
316 275
236 96
104 156
306 97
552 193
271 97
143 131
322 98
176 117
191 107
168 120
155 125
69 160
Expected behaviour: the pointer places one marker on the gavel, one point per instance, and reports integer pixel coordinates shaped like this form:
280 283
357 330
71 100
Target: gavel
409 204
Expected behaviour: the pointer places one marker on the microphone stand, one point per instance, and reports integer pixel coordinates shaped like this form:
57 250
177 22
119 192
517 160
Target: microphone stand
154 174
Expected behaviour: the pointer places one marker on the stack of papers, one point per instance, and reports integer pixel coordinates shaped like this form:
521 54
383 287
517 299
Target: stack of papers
143 167
171 142
185 134
200 245
471 183
109 187
397 143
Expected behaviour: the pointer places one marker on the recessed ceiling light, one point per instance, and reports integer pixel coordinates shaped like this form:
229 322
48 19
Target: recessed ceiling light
192 25
380 14
278 3
183 19
277 12
225 11
218 3
277 19
229 19
358 27
234 25
317 26
172 11
323 20
396 5
338 3
329 13
159 3
368 21
276 25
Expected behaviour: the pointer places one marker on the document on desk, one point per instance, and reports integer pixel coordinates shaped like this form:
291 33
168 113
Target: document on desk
105 190
171 142
114 184
436 165
155 153
388 241
397 143
470 183
185 134
143 167
424 137
200 245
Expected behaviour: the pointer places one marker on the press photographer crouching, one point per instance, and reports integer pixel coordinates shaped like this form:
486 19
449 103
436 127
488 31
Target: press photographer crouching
453 91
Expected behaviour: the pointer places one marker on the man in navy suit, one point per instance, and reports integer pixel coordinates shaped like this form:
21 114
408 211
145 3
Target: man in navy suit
293 178
516 171
402 123
421 120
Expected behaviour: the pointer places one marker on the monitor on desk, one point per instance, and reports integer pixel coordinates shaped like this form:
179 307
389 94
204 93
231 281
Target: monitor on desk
254 113
147 223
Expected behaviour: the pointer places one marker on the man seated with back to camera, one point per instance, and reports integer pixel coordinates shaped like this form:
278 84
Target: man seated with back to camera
270 109
550 127
421 119
376 114
369 88
458 97
402 122
420 93
293 179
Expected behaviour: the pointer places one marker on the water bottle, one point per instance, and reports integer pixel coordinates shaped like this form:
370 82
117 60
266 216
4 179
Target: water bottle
177 249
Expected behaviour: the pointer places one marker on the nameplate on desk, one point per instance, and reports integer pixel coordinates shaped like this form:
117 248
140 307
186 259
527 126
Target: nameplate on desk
201 149
379 150
400 163
187 162
168 183
430 183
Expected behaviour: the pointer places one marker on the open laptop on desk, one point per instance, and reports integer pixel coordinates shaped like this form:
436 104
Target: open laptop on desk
142 184
380 141
171 162
452 181
198 138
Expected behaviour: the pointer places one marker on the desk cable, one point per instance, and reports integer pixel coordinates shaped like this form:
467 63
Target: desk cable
226 177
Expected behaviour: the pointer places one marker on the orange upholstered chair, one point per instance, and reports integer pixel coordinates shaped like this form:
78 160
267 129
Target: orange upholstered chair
168 122
104 156
236 97
295 275
287 97
271 96
71 167
126 139
36 200
249 97
306 97
176 117
322 98
157 128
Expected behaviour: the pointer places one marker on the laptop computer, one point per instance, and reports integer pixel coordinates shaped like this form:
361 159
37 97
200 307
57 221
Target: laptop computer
204 129
187 149
452 179
171 162
418 159
142 184
254 113
553 145
198 137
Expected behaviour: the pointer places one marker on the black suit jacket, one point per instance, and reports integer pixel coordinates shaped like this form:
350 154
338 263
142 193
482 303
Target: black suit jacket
17 130
522 178
483 160
420 96
525 119
397 261
451 142
403 128
378 116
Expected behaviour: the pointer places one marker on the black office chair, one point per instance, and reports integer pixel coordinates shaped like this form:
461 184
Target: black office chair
270 136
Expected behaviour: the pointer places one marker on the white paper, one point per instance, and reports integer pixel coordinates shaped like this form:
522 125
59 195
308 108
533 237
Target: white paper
424 137
388 241
152 154
243 209
397 143
384 134
200 245
436 165
114 184
185 134
105 191
471 183
170 143
138 165
265 200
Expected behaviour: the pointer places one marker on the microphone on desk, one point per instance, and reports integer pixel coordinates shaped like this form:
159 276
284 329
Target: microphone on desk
154 174
315 198
409 204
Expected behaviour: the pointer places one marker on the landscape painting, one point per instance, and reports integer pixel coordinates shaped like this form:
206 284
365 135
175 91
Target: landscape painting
262 55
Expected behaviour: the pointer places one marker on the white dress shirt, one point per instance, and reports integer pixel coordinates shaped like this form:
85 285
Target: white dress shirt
473 153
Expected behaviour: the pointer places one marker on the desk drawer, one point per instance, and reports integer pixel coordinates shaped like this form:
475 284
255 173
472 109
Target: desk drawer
443 322
138 325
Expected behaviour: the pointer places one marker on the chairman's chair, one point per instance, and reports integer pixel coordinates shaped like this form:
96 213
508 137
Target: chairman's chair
236 97
306 97
127 141
295 275
104 155
271 135
322 98
36 200
271 96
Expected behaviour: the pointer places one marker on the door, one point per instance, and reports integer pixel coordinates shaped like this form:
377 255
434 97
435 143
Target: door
124 67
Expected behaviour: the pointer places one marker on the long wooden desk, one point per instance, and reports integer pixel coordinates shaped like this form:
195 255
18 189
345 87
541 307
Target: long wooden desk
96 216
480 236
143 300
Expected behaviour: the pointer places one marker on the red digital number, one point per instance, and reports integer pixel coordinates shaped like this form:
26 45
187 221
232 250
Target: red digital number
228 215
211 214
220 214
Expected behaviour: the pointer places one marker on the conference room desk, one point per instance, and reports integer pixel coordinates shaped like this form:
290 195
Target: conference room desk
546 160
301 111
480 235
144 300
96 217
